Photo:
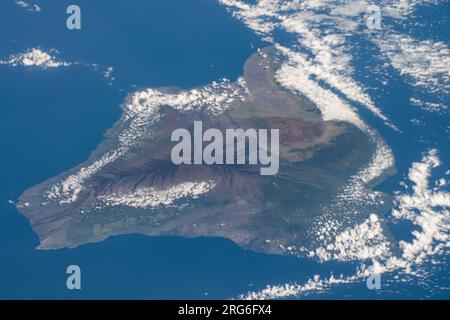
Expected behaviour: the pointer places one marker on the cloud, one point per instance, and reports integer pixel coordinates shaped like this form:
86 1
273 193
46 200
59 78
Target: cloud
43 60
429 106
27 6
425 63
312 285
36 58
154 197
362 242
428 209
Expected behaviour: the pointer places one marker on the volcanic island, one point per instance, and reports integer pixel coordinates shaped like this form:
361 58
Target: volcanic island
130 185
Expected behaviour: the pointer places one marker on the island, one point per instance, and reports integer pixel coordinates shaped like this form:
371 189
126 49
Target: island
130 185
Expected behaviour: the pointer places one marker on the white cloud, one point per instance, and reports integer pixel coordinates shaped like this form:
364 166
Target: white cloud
44 60
427 208
429 106
35 58
28 6
108 74
294 75
425 63
153 197
362 242
312 285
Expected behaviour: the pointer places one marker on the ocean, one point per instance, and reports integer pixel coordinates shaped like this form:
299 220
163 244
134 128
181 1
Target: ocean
51 120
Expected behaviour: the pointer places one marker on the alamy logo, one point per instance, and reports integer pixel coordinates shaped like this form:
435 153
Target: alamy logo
74 278
374 279
73 21
373 17
237 151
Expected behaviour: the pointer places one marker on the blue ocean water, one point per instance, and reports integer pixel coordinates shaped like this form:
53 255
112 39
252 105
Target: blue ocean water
50 121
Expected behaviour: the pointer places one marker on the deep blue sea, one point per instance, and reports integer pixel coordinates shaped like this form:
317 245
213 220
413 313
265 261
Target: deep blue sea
50 121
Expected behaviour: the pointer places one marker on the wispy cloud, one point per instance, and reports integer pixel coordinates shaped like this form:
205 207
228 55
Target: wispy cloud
29 7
